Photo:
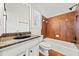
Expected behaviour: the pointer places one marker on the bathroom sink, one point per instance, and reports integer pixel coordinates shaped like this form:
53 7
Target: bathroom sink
21 37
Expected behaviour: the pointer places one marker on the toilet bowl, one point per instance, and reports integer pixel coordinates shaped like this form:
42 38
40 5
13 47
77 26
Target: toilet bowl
44 47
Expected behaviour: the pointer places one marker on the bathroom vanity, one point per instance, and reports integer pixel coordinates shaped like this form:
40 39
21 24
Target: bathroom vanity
21 47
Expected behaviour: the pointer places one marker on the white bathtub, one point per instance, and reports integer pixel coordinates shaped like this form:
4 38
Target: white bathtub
66 48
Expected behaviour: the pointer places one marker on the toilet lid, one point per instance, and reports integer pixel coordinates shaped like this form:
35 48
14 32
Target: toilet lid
44 44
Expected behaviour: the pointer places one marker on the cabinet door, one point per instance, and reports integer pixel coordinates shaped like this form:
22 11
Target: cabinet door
24 53
34 51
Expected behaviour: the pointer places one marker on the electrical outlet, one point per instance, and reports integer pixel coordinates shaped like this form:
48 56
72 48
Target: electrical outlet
57 35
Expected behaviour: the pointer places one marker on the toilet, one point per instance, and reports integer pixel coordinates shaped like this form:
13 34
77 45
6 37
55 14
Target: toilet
44 47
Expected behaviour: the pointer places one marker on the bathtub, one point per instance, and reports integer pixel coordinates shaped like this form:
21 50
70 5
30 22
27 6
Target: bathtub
66 48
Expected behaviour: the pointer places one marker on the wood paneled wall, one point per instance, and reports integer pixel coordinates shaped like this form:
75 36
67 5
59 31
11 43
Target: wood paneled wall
44 26
61 27
77 25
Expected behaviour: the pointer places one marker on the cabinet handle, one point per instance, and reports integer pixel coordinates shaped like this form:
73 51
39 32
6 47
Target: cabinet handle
31 51
24 55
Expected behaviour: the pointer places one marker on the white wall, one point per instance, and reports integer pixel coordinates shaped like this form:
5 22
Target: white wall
53 9
36 24
1 18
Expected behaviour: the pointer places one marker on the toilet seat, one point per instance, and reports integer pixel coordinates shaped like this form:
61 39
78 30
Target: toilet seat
45 45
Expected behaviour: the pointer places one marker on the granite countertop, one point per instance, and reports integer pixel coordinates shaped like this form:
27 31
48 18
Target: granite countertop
9 41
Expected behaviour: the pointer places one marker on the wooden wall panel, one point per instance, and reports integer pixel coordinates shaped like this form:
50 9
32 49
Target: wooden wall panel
62 30
50 31
44 26
77 24
70 27
61 27
77 29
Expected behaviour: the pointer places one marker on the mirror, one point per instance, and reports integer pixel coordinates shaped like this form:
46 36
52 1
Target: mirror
18 16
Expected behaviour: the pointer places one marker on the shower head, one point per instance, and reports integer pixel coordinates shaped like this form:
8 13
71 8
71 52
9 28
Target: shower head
70 8
73 6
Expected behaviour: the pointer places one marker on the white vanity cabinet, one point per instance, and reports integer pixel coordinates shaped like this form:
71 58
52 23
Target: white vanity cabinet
34 51
27 48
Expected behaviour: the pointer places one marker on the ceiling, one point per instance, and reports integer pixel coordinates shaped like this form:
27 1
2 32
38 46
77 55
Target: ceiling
52 9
